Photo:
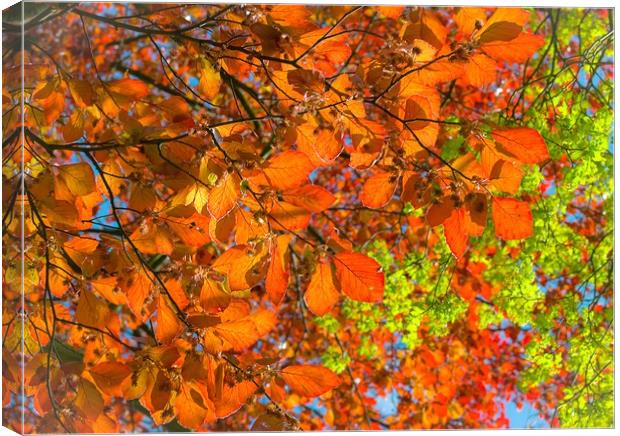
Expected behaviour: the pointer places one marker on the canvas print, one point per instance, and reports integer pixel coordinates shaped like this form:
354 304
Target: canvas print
286 217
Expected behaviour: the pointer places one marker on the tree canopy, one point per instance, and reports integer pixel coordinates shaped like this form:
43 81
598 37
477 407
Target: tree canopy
296 217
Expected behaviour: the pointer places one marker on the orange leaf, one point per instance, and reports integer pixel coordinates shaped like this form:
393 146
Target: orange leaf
522 143
74 129
82 92
249 226
138 289
503 176
152 239
233 397
286 216
133 88
223 197
311 197
480 70
192 408
512 218
79 178
288 170
426 26
321 294
309 380
515 16
88 399
244 266
239 334
92 311
264 320
360 277
500 31
168 325
518 50
455 230
276 281
106 287
476 205
213 296
109 376
210 80
322 147
378 190
177 293
467 17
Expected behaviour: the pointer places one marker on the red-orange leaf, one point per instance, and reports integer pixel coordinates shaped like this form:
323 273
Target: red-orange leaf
455 230
276 281
88 399
92 311
522 143
106 287
512 218
480 70
360 277
476 206
438 212
309 380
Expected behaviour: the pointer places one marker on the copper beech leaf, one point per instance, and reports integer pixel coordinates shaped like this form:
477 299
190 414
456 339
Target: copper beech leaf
88 400
109 377
321 294
277 277
288 170
223 197
359 276
455 230
168 325
512 218
192 407
523 143
378 189
309 380
79 178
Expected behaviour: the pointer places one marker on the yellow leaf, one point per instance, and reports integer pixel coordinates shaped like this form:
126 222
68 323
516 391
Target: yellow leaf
210 80
88 399
78 178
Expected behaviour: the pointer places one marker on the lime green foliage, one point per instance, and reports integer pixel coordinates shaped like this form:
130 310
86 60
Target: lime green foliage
583 136
334 359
